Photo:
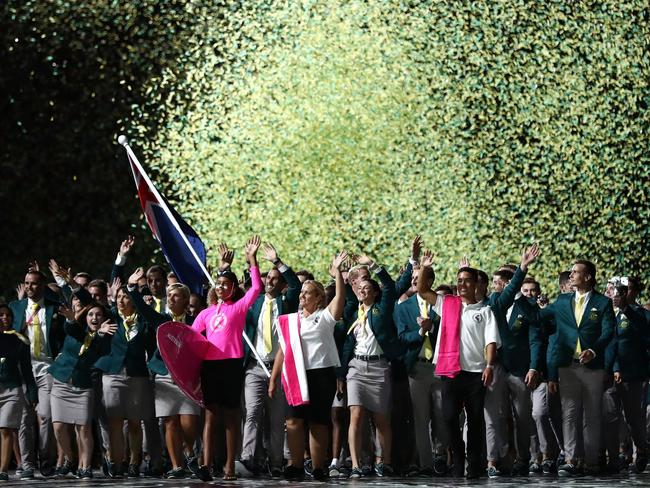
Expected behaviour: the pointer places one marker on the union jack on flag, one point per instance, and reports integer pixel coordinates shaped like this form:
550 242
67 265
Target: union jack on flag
173 237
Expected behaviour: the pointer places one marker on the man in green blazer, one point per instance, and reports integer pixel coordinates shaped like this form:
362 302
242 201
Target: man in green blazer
37 318
417 327
509 389
629 363
282 290
584 325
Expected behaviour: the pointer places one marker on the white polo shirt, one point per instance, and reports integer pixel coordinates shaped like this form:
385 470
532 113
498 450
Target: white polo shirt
317 340
478 328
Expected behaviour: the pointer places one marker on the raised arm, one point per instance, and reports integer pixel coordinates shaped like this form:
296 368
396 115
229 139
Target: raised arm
336 305
293 283
427 273
120 261
507 297
153 318
256 288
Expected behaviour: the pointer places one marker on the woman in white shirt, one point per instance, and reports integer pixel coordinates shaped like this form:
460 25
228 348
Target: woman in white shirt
321 357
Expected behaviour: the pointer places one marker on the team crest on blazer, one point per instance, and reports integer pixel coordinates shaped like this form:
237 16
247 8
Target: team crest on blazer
518 321
375 311
593 315
624 322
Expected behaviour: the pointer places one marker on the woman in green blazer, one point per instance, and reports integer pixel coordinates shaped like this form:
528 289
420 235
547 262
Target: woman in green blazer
15 370
72 396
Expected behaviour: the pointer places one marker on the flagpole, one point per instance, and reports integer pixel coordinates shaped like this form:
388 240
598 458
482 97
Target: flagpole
125 142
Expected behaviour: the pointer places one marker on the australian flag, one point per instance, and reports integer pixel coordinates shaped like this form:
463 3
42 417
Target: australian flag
171 231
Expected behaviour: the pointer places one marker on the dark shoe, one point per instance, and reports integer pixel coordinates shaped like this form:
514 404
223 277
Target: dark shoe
567 470
246 468
176 473
4 476
383 470
534 468
520 468
440 467
640 464
355 474
458 469
192 465
276 472
27 474
548 467
472 474
425 473
367 470
291 473
64 470
593 471
203 473
493 472
151 471
47 469
85 474
133 471
334 471
308 466
320 474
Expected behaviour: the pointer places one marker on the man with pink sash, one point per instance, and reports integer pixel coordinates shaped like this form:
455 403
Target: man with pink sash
464 355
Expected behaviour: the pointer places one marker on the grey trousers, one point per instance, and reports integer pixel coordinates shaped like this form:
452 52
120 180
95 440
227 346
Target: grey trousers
549 440
507 395
627 398
425 390
581 390
27 432
152 432
256 399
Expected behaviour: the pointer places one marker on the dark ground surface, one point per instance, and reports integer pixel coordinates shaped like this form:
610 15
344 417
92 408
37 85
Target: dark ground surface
99 481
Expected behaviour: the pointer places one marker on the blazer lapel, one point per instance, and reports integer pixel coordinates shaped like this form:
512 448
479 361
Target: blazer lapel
572 314
20 315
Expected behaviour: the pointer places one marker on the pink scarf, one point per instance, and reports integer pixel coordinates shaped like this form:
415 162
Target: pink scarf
294 375
449 347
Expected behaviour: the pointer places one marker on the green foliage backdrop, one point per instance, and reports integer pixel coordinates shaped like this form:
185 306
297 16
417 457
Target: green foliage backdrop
481 125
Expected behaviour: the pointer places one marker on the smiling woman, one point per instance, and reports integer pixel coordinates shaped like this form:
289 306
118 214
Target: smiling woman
222 371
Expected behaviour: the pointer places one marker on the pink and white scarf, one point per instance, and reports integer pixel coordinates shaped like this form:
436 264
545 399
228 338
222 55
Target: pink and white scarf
294 374
449 347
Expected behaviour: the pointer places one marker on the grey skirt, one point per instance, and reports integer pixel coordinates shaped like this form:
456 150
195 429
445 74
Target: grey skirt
71 405
12 401
127 397
170 400
369 385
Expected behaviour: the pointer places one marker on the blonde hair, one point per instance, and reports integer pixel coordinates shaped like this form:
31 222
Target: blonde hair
185 291
320 291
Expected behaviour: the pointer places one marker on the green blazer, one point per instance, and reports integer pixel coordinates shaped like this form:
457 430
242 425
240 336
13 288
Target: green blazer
595 332
53 323
521 341
153 319
405 316
630 346
16 364
380 320
500 302
123 353
286 303
69 365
